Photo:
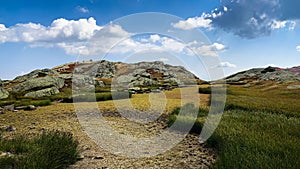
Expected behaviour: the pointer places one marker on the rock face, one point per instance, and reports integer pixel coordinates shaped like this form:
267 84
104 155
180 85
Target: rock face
3 93
47 82
266 74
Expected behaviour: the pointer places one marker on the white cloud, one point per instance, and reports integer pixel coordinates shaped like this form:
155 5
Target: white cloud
59 31
82 9
278 24
298 48
207 50
85 37
155 38
227 65
195 22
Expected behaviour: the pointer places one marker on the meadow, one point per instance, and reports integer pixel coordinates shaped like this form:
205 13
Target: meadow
259 128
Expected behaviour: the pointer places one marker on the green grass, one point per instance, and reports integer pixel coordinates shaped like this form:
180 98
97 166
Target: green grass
49 150
26 102
278 100
249 139
103 96
259 128
246 139
187 118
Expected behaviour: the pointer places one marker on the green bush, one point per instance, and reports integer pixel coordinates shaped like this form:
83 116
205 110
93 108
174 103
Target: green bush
50 150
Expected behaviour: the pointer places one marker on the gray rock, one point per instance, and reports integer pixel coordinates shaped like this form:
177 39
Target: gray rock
29 107
280 76
9 128
9 108
3 93
43 93
34 74
39 84
293 87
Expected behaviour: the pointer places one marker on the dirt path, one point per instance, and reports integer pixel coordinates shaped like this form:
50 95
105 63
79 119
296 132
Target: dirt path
185 155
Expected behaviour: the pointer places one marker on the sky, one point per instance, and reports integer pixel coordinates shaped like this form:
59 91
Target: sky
232 35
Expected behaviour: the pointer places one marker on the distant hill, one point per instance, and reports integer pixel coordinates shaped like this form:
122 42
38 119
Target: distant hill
274 74
47 82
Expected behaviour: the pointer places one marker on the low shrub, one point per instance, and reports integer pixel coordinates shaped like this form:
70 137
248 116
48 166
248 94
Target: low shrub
52 149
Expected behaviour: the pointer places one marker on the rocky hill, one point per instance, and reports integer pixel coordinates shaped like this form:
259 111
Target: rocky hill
266 74
47 82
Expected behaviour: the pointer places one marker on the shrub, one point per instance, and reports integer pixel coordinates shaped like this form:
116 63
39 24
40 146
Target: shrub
52 149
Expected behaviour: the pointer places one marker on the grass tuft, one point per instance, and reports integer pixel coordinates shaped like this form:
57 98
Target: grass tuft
52 149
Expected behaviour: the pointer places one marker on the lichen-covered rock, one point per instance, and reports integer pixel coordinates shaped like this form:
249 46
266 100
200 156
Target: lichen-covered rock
39 84
3 93
280 76
34 74
43 93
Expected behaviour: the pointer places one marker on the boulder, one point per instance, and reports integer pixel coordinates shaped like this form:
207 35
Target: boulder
9 108
293 87
43 93
29 107
3 93
39 84
35 74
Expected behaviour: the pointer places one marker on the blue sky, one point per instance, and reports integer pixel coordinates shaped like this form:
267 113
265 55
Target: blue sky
245 34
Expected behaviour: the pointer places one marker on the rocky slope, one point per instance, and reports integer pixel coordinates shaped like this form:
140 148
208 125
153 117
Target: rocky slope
266 74
47 82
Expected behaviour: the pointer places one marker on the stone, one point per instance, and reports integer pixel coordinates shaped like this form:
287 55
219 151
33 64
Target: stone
34 74
43 93
39 84
29 107
293 87
10 129
3 93
9 107
7 128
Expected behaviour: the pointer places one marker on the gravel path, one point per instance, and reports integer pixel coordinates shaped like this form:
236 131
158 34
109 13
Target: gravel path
188 154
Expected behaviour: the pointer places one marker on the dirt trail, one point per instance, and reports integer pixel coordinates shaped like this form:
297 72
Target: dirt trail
187 154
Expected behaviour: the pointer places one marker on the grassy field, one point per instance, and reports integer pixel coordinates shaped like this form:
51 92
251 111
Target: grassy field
259 129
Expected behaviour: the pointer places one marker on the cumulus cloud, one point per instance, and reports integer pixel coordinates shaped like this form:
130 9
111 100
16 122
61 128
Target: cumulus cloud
85 37
82 9
248 18
196 22
208 50
60 30
227 65
298 48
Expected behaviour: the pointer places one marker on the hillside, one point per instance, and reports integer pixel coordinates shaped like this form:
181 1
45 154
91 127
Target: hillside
274 74
48 82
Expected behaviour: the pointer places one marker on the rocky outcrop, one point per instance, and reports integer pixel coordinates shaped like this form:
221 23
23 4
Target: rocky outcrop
265 74
47 82
280 76
35 84
34 74
3 93
43 93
